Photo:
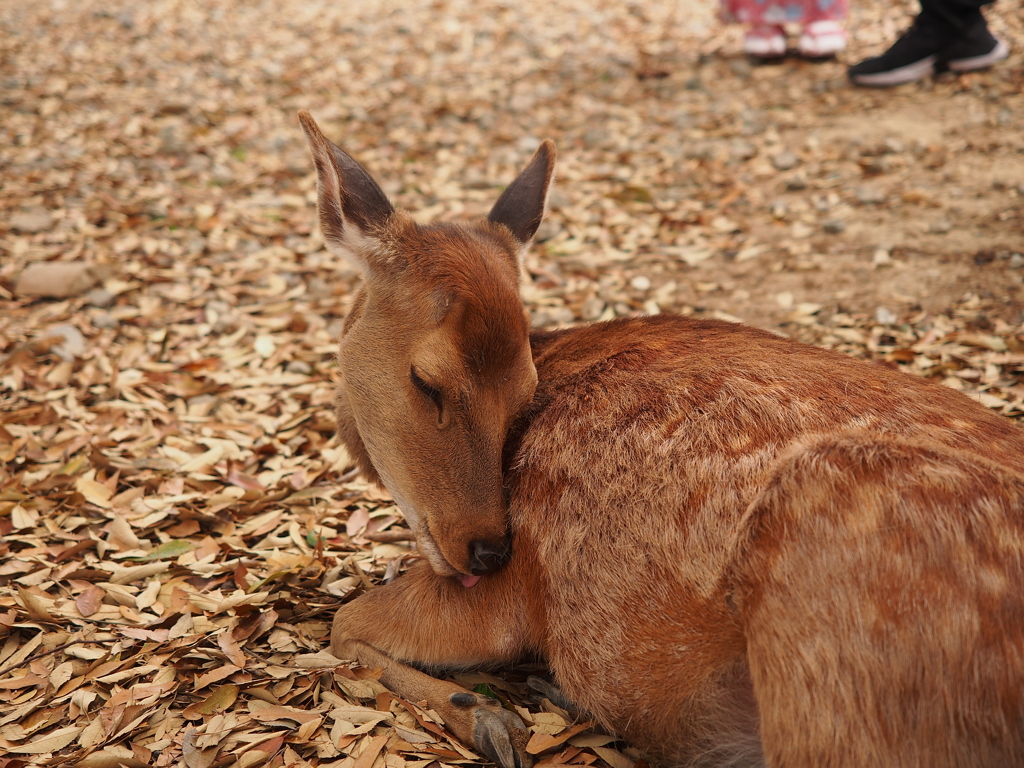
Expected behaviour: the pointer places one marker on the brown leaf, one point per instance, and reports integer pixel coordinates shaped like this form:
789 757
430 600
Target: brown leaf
54 741
231 649
218 701
215 676
541 742
36 606
374 745
90 600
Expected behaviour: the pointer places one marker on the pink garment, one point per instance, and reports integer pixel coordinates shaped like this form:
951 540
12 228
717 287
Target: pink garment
783 11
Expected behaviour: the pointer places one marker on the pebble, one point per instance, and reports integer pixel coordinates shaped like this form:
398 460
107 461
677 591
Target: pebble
881 258
939 227
870 195
299 366
885 316
548 229
796 184
31 221
740 67
834 226
74 342
1016 261
742 150
559 198
99 297
104 321
592 309
785 161
641 283
55 279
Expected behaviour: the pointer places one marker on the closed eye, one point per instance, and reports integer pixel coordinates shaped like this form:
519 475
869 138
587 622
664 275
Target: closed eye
428 391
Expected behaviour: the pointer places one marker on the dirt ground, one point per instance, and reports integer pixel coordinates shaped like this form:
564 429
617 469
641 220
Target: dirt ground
176 522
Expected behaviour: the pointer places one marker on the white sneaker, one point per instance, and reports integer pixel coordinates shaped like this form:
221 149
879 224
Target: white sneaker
765 42
821 39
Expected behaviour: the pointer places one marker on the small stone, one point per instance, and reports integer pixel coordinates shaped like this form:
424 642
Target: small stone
693 84
939 227
73 344
796 184
622 309
547 230
740 67
528 144
558 199
884 316
640 283
779 209
881 258
742 150
562 315
870 195
55 279
1016 261
785 161
31 221
300 367
100 297
592 309
893 146
104 321
834 226
877 165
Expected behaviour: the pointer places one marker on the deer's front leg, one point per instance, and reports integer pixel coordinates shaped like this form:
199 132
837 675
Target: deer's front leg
437 624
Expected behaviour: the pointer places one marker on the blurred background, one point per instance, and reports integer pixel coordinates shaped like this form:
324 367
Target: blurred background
168 314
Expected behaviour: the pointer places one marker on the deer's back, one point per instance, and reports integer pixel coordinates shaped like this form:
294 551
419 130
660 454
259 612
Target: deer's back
646 441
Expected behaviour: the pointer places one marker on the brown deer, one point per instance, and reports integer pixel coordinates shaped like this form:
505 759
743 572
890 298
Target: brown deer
730 548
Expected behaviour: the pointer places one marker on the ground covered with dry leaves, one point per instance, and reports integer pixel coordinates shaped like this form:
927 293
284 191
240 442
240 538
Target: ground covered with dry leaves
177 523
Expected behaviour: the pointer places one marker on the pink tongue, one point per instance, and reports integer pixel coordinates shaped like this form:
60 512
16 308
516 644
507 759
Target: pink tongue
468 581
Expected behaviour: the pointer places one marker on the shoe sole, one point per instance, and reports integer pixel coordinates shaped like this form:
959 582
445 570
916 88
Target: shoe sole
1000 52
825 45
767 51
908 74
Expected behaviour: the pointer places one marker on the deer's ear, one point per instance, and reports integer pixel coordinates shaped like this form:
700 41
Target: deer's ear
521 205
350 203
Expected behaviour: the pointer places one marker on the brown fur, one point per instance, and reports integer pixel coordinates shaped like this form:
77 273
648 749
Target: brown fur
730 548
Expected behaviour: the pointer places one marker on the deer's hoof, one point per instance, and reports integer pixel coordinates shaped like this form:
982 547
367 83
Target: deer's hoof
497 733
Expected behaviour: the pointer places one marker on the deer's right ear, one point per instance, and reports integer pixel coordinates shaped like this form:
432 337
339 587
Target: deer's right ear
350 204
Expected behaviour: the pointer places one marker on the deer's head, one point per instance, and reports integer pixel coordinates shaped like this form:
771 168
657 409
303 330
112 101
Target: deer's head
435 356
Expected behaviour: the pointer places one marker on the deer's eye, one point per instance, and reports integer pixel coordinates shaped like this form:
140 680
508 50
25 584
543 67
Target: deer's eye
428 391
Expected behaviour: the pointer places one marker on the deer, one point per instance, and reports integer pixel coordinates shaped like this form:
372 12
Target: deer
728 547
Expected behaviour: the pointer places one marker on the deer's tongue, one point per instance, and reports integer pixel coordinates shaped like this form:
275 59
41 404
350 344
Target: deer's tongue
468 581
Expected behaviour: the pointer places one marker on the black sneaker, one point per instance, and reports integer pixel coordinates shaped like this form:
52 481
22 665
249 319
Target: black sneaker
978 49
910 58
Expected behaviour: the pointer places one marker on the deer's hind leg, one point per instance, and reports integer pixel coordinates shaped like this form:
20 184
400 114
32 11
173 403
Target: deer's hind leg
425 622
881 589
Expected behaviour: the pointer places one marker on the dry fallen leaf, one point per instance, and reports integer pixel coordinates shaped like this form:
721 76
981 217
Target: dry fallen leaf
177 522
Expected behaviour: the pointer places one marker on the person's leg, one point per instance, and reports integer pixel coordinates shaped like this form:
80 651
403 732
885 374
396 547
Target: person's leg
959 16
947 34
973 45
823 33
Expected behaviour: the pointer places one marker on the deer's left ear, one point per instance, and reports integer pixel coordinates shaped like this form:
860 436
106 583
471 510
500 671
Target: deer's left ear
521 205
351 205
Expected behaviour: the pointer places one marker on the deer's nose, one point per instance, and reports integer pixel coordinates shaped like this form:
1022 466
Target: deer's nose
489 556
